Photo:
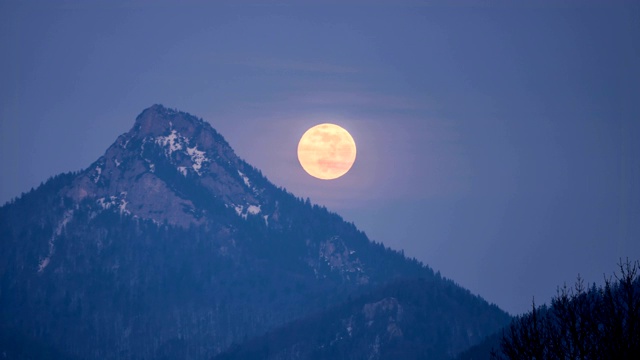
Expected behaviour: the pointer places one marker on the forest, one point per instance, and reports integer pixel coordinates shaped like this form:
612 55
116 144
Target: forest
582 322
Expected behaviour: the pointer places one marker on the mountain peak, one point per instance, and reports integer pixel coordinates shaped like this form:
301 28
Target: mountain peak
157 120
150 171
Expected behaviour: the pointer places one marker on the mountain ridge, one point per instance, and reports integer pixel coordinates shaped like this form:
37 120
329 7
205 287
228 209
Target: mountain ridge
393 321
169 245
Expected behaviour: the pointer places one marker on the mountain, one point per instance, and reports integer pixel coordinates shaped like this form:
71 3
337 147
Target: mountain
406 319
15 345
171 246
483 350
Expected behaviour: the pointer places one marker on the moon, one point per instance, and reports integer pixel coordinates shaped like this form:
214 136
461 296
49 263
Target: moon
326 151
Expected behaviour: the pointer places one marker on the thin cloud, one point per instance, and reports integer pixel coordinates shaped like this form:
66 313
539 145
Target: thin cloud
350 98
363 100
299 66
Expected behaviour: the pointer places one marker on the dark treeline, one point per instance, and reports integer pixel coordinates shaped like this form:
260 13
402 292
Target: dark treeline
581 323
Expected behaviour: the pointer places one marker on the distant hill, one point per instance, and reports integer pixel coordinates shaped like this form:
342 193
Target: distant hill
406 319
170 246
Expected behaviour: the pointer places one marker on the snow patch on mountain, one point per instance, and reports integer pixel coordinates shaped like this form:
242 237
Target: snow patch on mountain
238 209
245 178
182 170
349 326
123 207
197 158
176 142
246 211
173 141
68 215
98 174
115 202
253 210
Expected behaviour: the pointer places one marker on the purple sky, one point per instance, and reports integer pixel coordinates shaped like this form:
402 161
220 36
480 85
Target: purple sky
498 143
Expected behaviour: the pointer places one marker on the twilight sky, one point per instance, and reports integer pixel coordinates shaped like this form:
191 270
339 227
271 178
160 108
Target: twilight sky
498 143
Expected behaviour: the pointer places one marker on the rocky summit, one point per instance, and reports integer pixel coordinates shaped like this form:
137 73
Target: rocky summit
148 171
171 246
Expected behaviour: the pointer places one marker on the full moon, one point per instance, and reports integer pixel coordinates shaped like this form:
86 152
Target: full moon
326 151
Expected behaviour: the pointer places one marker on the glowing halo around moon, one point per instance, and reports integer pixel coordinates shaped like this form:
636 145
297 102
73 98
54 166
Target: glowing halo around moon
326 151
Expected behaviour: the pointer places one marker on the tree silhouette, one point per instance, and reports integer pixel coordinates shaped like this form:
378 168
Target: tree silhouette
581 323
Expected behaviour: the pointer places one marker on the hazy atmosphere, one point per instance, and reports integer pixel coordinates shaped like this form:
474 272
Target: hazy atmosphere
497 143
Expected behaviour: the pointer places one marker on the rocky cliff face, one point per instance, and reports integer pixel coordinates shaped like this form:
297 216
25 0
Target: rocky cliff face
140 174
170 246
